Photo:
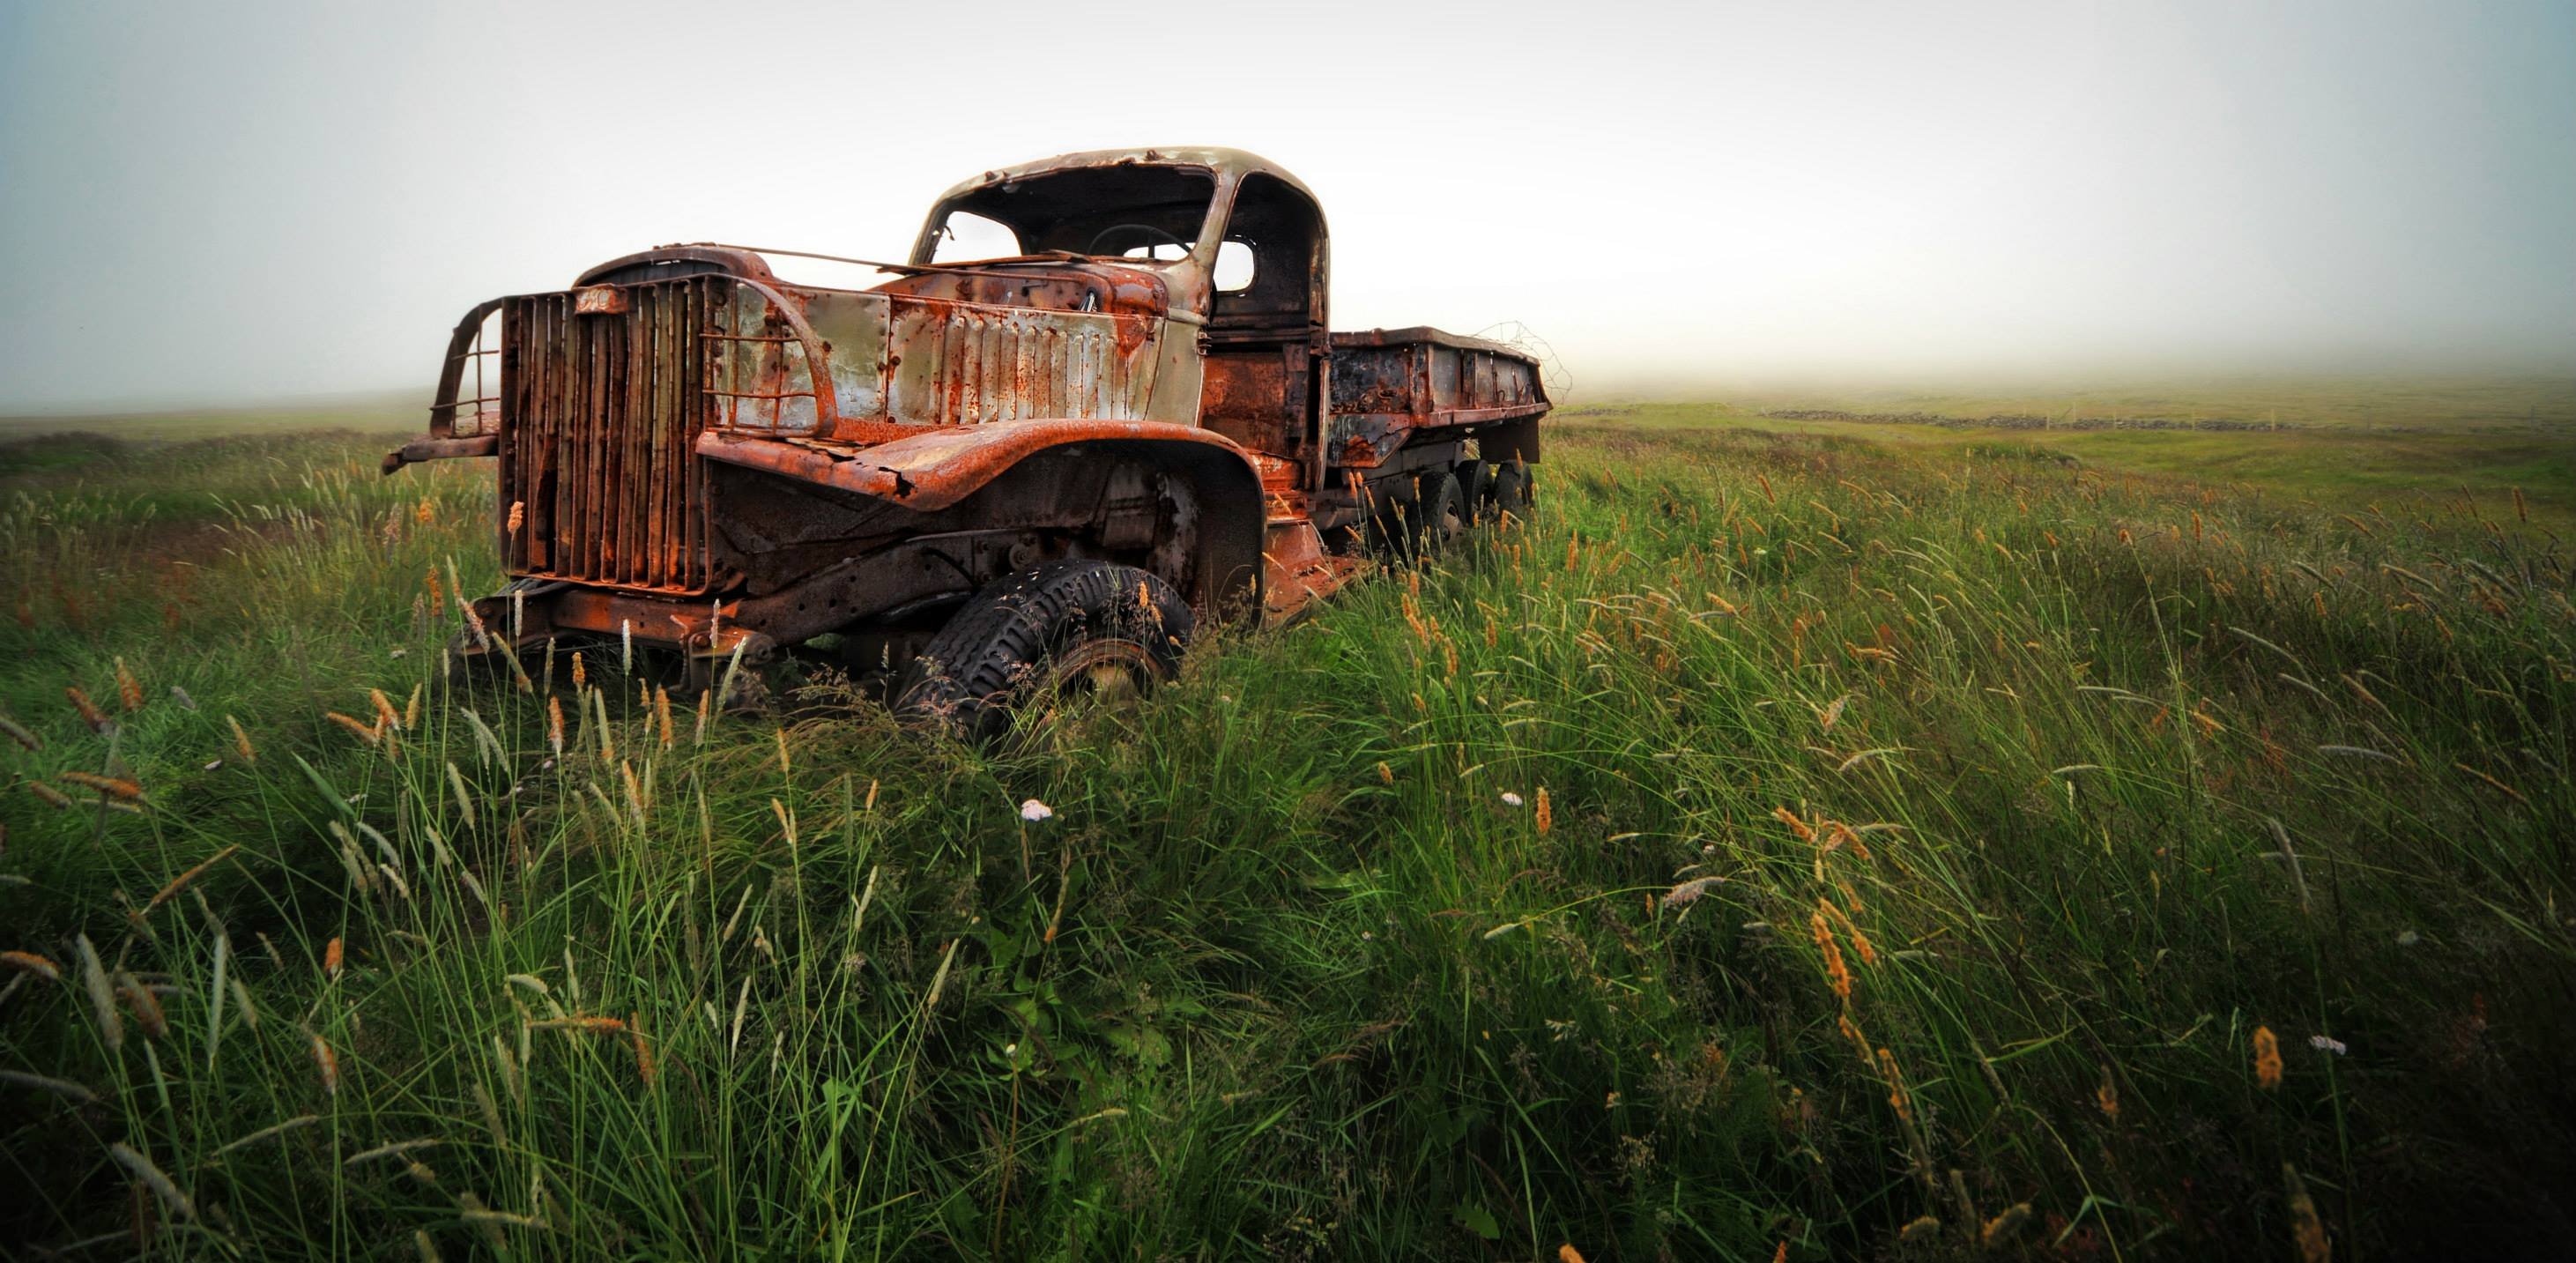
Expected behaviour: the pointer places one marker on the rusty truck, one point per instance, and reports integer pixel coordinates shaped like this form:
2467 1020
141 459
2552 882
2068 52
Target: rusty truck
1097 406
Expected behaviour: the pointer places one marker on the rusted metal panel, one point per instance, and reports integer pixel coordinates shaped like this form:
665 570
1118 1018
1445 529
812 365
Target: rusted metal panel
939 467
957 364
1391 386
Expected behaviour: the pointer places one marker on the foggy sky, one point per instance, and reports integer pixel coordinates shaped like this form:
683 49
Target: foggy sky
211 203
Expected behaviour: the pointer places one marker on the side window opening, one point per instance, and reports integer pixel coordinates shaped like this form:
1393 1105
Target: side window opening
1234 267
1275 232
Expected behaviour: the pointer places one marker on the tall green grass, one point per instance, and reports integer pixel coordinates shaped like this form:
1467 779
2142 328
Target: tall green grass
1786 845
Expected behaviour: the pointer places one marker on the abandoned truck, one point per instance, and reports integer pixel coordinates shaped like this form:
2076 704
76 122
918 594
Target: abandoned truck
1098 405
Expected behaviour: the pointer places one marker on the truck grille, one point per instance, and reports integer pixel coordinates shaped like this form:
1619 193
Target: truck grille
599 447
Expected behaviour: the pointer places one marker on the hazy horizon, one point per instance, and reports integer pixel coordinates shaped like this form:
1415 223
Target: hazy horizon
269 201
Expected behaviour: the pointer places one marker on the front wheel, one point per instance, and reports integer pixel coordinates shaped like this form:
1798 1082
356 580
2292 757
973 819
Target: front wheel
1052 633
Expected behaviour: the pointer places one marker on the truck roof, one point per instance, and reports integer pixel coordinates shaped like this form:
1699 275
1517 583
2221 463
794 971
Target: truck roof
1228 164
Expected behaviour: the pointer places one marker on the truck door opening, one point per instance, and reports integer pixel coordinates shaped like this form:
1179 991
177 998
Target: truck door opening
1265 338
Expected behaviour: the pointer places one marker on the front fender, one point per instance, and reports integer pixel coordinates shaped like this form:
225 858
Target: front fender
938 468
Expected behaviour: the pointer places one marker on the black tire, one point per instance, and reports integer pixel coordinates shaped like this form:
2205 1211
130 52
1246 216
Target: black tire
1513 493
1392 517
1476 490
1043 633
1445 515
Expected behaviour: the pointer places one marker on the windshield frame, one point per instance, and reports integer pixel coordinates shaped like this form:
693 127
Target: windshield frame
1202 249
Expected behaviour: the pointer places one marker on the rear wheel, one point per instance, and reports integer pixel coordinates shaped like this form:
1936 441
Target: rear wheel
1445 514
1053 633
1392 520
1513 493
1476 491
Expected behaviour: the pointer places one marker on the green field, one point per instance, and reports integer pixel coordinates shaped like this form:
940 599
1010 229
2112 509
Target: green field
1807 839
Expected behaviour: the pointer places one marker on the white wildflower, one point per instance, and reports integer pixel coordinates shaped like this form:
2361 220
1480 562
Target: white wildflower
1511 799
1034 811
2326 1044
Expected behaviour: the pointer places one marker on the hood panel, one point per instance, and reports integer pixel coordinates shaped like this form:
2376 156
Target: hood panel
912 360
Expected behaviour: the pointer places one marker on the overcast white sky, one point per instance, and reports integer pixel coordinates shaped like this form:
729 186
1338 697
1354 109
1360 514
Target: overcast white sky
209 203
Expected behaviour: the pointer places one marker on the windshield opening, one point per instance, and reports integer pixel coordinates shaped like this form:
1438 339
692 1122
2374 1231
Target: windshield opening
1141 214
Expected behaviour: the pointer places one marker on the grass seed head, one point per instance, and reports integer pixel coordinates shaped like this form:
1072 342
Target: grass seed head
128 689
2307 1228
89 712
327 1063
102 997
645 1067
146 1006
1836 972
360 730
2001 1228
173 1202
31 963
242 747
592 1025
112 786
2267 1058
75 1093
181 881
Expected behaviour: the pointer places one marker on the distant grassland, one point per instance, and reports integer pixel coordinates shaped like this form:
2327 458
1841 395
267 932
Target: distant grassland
387 413
1806 839
2322 455
2448 405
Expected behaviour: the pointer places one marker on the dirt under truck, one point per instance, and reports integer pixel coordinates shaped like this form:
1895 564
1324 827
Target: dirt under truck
1097 406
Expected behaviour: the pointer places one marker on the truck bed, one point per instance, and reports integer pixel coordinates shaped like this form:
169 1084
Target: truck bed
1393 385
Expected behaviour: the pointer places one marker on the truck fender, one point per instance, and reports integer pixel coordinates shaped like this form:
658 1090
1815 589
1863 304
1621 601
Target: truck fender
942 466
